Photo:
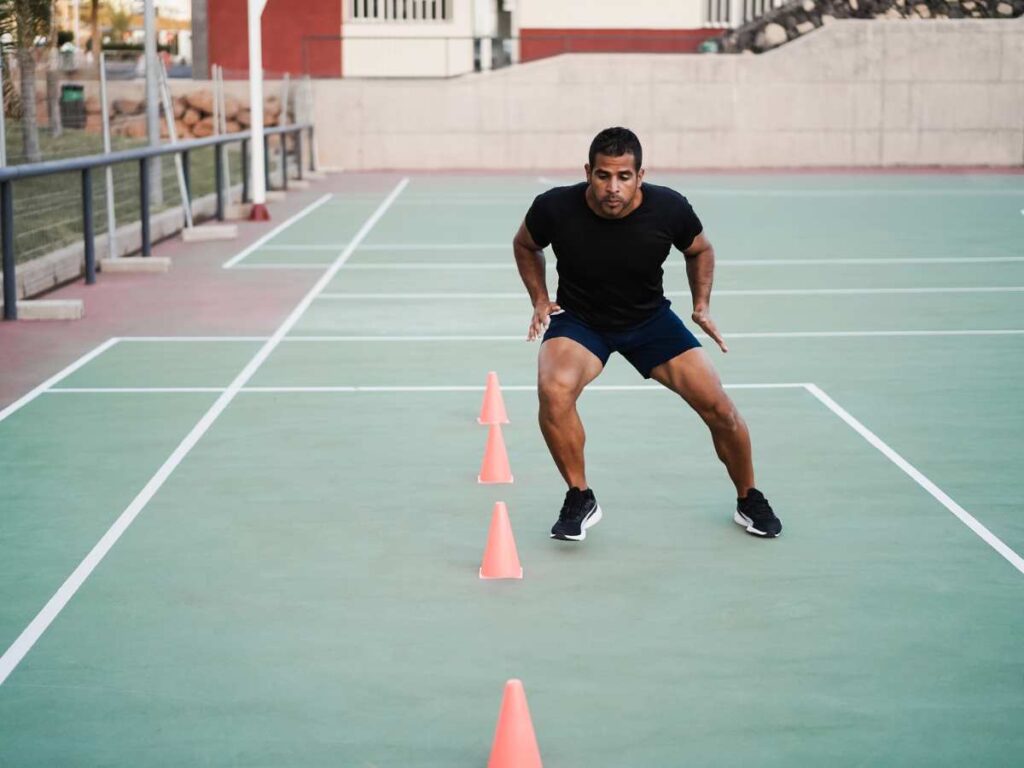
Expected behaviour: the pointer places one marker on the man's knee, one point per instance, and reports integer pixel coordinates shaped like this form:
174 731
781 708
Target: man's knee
721 415
557 391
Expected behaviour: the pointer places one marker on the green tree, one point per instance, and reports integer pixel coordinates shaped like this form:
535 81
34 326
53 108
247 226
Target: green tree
120 22
26 21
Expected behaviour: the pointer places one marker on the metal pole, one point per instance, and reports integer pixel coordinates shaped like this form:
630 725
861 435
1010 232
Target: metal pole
109 171
258 147
186 172
152 98
3 126
312 150
7 224
298 150
266 166
172 134
283 138
147 247
245 170
87 229
218 162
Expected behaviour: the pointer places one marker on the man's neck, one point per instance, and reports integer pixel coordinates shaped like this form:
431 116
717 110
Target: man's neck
596 207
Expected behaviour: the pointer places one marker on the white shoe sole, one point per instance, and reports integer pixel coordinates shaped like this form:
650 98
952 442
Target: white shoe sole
740 519
590 522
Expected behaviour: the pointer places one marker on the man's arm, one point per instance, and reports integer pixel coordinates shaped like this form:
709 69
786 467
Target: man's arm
531 264
700 271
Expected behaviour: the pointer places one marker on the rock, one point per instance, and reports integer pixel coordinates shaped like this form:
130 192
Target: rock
231 107
970 5
134 127
129 106
191 117
272 105
92 105
243 117
94 123
804 27
808 5
1004 9
201 101
854 6
180 107
234 126
923 11
773 35
827 19
203 128
892 13
183 131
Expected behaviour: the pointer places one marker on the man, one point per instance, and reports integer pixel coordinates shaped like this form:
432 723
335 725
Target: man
611 235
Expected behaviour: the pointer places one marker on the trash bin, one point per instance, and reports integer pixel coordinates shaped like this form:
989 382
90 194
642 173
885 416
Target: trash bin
72 105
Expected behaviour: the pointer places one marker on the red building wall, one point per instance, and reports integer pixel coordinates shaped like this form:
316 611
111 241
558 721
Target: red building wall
299 37
538 43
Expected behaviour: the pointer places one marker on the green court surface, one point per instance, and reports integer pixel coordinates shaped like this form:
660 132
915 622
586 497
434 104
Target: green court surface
271 544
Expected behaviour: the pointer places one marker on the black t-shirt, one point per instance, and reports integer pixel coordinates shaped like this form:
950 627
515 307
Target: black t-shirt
609 270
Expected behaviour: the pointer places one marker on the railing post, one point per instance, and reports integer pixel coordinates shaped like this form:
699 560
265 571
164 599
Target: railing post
298 151
266 161
7 222
283 138
312 151
87 228
147 247
218 164
245 170
186 171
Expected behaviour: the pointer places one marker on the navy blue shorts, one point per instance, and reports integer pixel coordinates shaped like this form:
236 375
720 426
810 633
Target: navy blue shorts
646 346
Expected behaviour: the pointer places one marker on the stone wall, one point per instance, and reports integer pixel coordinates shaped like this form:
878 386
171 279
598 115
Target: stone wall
855 93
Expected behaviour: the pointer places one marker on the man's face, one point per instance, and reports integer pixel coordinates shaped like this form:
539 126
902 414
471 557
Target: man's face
614 182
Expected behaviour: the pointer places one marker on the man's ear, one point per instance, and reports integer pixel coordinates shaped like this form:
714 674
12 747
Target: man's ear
586 170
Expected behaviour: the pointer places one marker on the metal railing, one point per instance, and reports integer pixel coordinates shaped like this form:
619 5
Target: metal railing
142 156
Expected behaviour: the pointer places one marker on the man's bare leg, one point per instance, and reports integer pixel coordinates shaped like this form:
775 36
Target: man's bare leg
692 377
564 368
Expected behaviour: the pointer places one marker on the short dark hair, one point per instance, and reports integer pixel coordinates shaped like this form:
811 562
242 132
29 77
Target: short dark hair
616 142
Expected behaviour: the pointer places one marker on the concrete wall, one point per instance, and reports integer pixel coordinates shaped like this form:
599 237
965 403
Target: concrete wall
867 93
610 14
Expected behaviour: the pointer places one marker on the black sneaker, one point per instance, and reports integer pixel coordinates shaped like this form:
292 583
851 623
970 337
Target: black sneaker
579 512
755 514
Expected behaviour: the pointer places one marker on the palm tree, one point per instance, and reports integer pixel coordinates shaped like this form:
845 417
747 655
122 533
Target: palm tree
27 20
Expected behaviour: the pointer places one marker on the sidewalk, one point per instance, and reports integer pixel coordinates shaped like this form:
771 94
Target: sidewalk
195 298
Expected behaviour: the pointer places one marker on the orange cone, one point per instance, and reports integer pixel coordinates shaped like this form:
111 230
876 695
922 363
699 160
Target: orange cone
515 745
495 468
492 410
501 560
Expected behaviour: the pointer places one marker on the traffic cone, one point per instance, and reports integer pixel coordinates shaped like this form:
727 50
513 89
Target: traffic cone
495 468
501 560
515 745
492 410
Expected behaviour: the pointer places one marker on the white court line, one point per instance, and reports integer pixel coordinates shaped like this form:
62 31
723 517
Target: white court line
276 230
738 335
435 246
679 264
965 517
387 388
335 247
83 360
677 294
192 338
307 265
28 637
130 390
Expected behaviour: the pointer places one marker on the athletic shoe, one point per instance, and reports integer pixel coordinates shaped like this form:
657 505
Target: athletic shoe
755 514
579 512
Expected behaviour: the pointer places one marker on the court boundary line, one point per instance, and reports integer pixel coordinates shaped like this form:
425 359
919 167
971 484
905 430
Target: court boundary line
53 607
275 231
965 517
88 357
521 295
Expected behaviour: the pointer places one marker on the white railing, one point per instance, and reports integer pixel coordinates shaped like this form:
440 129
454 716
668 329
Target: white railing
729 14
400 10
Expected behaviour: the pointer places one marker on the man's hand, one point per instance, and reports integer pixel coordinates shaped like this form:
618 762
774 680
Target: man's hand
703 319
539 323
